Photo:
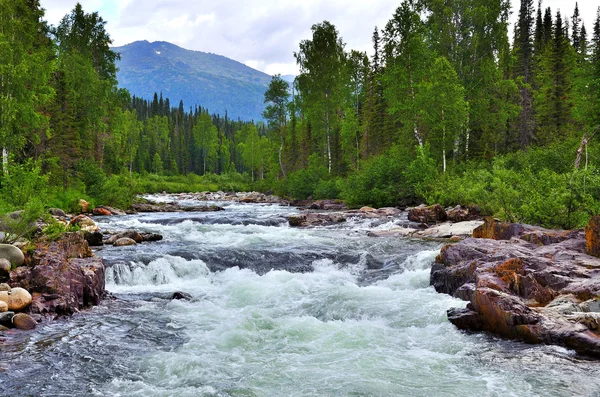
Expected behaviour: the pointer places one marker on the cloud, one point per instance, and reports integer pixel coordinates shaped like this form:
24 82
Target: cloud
263 34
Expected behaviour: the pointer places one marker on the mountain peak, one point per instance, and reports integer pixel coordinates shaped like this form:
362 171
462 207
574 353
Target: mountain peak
198 78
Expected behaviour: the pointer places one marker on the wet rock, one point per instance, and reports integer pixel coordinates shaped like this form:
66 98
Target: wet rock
316 219
66 269
182 295
101 211
24 322
431 214
85 223
173 207
130 234
3 306
57 212
6 318
17 298
4 287
12 253
592 236
532 289
465 318
124 241
151 237
94 239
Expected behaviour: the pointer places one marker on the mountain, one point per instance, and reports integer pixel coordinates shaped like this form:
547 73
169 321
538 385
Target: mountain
198 78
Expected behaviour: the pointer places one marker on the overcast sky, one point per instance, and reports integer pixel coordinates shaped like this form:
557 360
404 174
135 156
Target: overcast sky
262 34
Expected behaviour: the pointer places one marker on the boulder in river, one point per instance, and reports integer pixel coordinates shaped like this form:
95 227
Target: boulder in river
4 287
316 219
57 212
124 241
24 321
535 289
424 214
101 211
94 239
3 306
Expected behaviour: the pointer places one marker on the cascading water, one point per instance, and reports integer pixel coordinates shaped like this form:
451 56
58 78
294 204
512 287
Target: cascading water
275 311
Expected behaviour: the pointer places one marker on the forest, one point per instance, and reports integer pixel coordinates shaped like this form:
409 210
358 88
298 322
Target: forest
445 110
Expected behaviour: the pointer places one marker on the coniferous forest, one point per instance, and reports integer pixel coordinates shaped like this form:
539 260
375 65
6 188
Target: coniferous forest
445 109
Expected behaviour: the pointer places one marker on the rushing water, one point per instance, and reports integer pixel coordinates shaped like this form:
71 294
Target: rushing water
276 311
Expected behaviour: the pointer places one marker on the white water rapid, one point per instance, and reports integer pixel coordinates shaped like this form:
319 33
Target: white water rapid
276 311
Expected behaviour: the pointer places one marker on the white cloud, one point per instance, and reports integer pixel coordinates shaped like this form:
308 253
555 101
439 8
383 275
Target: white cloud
260 33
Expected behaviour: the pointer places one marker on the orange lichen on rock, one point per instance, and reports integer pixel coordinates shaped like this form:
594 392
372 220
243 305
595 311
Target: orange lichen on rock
592 236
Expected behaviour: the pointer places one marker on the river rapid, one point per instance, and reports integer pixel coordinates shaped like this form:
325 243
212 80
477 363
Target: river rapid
275 311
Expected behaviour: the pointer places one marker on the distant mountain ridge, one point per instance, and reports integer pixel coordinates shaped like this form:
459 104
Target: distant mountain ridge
212 81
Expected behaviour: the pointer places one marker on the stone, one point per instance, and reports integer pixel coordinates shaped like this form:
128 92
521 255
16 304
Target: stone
4 268
6 318
85 223
496 230
316 219
3 306
94 239
541 290
57 212
84 206
181 295
63 276
131 234
4 287
431 214
13 254
151 237
592 236
24 321
17 298
367 209
101 211
124 241
448 230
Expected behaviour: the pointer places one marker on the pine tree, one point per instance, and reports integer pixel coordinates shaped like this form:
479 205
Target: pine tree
524 68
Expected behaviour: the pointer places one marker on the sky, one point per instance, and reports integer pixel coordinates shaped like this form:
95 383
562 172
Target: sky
261 34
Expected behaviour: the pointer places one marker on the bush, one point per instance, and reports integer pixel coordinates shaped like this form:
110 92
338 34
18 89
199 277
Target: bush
23 182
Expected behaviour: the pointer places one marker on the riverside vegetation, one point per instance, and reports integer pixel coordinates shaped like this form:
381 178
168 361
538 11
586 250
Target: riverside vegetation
445 110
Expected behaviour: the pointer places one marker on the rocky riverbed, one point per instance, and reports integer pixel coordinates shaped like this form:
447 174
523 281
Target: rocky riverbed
525 283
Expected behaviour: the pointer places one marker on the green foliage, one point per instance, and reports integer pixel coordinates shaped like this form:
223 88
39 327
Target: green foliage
22 223
379 183
23 182
118 191
92 176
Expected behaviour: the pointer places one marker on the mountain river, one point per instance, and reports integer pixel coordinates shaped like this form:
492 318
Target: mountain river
275 311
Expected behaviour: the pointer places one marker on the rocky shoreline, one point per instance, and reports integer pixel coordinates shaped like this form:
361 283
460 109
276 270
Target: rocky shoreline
525 283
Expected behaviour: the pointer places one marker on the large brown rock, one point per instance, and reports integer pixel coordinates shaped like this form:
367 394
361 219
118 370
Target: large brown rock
592 236
432 214
17 298
63 276
538 290
24 321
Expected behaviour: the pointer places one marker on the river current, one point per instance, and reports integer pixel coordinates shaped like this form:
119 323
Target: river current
275 311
